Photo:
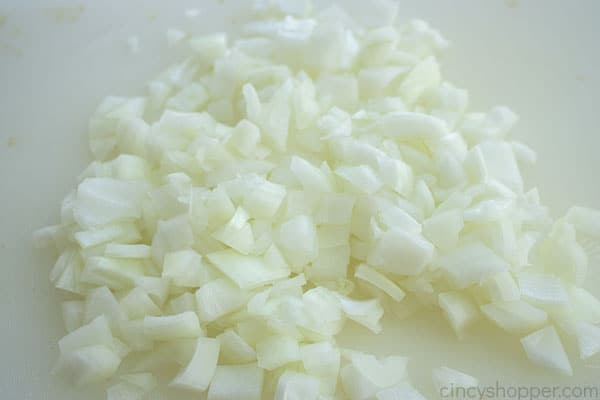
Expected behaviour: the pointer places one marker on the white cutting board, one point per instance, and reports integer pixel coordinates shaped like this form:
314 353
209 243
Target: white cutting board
59 58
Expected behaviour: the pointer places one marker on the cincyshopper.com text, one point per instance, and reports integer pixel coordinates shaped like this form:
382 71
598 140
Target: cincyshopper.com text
501 391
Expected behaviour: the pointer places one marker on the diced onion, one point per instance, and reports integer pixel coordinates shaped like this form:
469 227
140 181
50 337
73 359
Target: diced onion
312 170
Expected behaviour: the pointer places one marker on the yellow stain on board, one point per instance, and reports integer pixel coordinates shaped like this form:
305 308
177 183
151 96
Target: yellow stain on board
152 16
66 14
10 49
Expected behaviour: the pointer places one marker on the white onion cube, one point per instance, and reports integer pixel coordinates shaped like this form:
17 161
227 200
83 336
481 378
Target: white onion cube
401 253
544 348
184 325
459 310
234 349
235 382
515 316
248 272
218 298
380 281
275 351
471 263
297 386
185 269
197 375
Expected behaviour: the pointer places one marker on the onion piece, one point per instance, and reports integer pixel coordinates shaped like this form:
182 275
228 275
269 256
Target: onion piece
276 351
237 233
542 289
380 281
367 313
401 253
248 272
544 347
322 360
218 298
184 325
137 304
298 240
127 251
588 339
471 263
88 365
294 385
197 375
185 269
233 382
234 349
443 229
502 287
422 77
459 310
515 316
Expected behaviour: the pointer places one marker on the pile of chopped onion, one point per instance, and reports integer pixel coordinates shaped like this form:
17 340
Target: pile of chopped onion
270 188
